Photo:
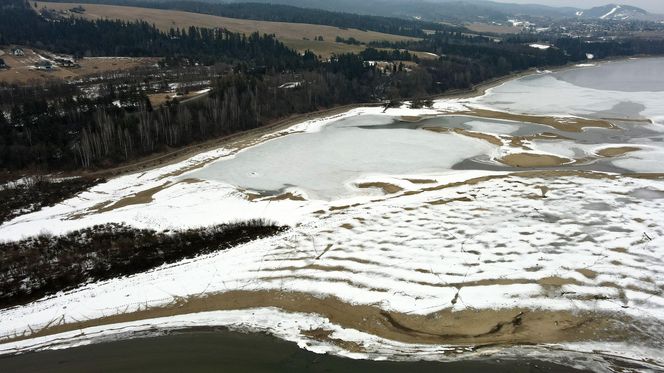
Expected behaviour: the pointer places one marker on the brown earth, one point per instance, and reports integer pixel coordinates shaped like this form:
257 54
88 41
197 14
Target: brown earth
387 188
616 152
519 141
492 139
421 181
140 198
529 160
286 196
21 69
569 124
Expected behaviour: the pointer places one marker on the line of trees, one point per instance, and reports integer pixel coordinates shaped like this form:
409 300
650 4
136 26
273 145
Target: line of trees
291 14
22 25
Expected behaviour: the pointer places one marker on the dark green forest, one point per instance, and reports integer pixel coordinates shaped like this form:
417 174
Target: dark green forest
22 25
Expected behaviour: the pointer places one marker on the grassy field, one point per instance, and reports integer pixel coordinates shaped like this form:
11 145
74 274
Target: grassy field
296 35
22 68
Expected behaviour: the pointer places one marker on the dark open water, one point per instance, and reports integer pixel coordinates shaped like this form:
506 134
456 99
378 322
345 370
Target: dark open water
225 351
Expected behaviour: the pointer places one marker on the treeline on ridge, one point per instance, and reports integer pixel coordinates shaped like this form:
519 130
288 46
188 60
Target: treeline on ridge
287 13
23 26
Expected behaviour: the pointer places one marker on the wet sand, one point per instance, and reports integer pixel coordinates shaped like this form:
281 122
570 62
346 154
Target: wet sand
387 188
468 327
140 198
616 152
531 160
569 124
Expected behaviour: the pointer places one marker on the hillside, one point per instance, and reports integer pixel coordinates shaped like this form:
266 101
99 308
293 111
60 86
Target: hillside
616 12
462 11
295 35
456 11
286 13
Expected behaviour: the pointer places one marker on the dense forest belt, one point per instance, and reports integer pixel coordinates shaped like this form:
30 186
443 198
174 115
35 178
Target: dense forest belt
42 265
319 38
34 193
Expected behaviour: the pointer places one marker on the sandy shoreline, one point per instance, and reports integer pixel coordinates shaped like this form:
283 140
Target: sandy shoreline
460 328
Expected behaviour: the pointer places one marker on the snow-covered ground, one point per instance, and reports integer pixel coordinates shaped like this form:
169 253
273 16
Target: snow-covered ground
420 237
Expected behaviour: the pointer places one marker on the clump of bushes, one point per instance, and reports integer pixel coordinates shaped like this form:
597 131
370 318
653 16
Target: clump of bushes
45 264
33 193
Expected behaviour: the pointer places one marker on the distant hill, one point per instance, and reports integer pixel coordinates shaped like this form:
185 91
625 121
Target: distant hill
430 10
388 16
466 10
617 12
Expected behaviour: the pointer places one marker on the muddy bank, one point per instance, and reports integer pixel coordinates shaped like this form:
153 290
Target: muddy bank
617 152
532 160
468 327
569 124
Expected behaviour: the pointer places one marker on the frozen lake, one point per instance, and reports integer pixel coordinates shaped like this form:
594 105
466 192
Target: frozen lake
326 164
619 89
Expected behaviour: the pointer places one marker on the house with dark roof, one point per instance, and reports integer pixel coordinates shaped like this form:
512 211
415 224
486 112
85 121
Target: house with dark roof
44 65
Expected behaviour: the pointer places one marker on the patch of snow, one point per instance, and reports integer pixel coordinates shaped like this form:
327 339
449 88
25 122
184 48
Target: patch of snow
610 12
290 85
540 46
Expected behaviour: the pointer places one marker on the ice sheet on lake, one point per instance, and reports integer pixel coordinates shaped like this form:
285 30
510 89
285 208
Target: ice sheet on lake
325 163
556 93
